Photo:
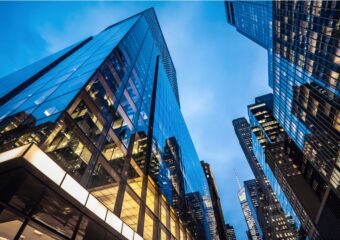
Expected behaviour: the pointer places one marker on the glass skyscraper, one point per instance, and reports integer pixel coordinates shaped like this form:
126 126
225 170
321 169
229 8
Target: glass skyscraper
305 80
253 231
93 144
273 222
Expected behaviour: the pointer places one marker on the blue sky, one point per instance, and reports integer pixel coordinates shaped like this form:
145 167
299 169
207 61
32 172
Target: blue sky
219 71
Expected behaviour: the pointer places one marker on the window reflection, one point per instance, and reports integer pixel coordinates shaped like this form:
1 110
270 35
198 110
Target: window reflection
122 126
35 232
9 224
101 98
70 152
135 178
140 149
113 152
87 121
57 214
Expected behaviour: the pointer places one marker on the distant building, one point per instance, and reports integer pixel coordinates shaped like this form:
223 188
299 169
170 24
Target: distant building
253 231
230 232
215 199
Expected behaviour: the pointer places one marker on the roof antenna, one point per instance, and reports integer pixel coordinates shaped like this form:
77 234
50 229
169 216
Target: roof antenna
237 179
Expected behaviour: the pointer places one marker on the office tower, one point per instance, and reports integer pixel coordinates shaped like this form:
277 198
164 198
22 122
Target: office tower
250 189
93 144
252 232
230 232
215 199
273 222
305 82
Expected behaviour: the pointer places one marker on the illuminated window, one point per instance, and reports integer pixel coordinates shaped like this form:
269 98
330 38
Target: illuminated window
148 226
130 209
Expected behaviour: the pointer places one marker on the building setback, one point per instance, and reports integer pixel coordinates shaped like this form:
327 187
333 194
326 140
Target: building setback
215 199
88 149
304 74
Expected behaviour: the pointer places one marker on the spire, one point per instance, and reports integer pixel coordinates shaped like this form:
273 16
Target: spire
237 179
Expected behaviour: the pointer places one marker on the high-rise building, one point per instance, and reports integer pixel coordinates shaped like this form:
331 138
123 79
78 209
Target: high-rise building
88 149
215 199
253 19
253 231
305 81
273 222
250 188
230 232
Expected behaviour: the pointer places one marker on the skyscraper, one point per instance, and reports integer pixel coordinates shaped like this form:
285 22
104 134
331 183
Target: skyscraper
253 231
305 81
273 222
215 199
250 189
230 232
88 149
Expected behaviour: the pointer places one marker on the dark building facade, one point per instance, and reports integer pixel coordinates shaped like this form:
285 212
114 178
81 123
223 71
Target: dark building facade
88 149
270 216
230 232
305 67
215 199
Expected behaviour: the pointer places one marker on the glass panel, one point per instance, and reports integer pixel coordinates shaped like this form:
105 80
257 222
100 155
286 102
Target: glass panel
122 126
99 95
54 106
151 196
36 232
89 230
103 186
164 213
173 223
181 232
70 152
57 214
148 227
9 224
87 121
139 150
135 178
113 152
163 234
130 209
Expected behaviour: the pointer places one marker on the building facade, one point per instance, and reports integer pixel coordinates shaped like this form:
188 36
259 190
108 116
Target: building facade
305 80
215 199
89 149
